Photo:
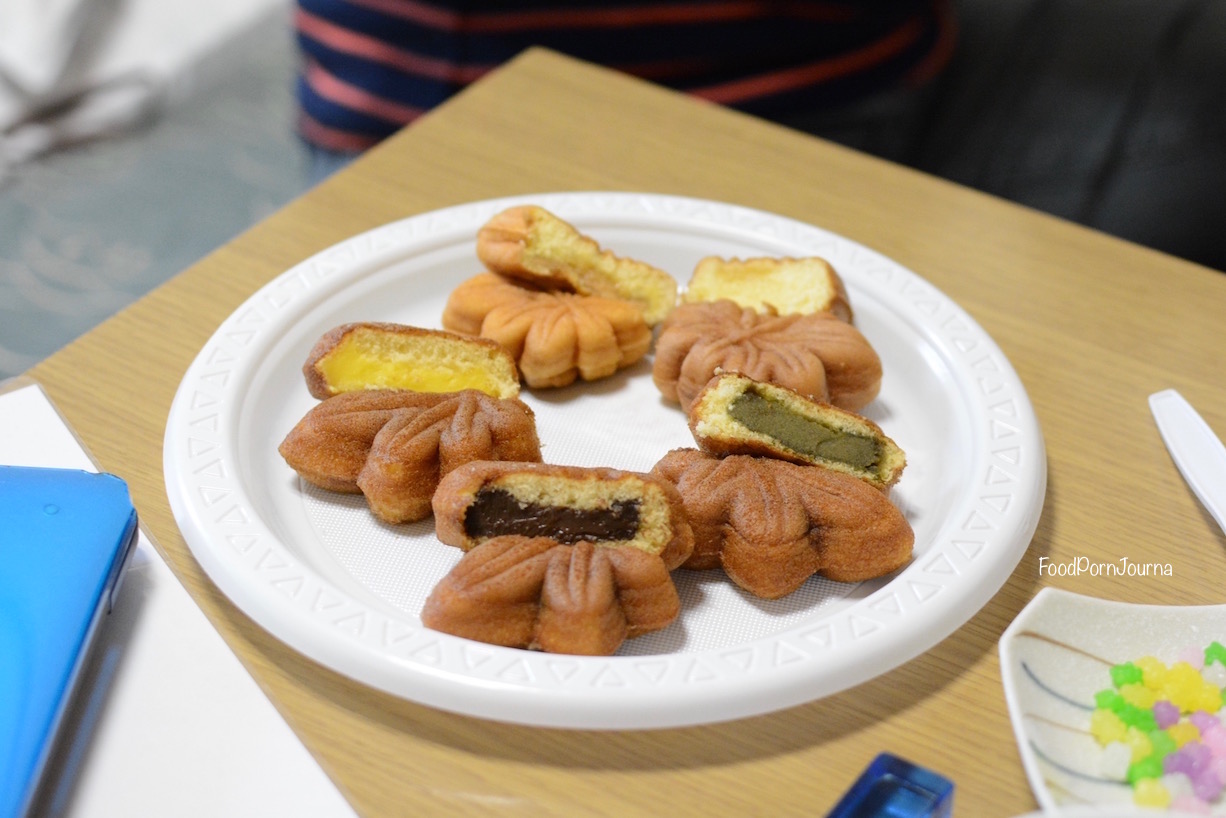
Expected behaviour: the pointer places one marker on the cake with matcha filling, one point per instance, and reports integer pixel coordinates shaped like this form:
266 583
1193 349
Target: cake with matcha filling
735 414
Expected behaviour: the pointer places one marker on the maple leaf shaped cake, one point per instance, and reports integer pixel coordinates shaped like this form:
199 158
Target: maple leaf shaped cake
555 337
394 446
816 355
772 524
564 559
538 593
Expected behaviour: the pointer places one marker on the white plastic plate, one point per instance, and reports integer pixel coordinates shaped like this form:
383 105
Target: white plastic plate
320 573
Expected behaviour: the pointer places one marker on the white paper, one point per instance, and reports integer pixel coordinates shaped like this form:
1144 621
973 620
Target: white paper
168 722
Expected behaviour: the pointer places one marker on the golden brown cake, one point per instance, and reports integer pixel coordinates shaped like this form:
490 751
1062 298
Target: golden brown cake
772 524
381 355
328 447
738 415
569 504
534 592
785 285
394 446
817 355
554 337
531 244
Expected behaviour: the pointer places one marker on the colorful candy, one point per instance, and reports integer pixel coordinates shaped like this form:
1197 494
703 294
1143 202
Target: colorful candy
1162 727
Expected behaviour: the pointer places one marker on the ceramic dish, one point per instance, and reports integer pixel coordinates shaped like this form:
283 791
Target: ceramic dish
1056 655
318 572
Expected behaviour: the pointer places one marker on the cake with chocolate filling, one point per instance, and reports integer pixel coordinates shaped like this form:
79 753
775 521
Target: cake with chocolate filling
771 524
542 594
384 355
528 243
568 504
784 285
738 415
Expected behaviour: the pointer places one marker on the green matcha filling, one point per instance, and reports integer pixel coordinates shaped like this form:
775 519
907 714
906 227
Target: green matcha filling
803 435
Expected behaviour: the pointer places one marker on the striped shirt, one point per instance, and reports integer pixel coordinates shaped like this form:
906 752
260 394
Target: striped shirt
372 66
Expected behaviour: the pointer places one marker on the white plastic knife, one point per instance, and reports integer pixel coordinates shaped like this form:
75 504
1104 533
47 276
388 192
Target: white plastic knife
1197 451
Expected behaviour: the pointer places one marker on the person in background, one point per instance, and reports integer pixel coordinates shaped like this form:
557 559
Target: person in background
1112 115
372 66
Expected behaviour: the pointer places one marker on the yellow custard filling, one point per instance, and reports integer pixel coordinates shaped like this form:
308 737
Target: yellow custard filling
370 360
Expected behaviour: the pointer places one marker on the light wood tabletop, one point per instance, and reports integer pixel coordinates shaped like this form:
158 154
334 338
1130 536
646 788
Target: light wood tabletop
1092 325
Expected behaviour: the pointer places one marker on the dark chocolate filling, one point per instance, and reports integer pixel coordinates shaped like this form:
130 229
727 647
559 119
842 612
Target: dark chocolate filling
495 512
801 434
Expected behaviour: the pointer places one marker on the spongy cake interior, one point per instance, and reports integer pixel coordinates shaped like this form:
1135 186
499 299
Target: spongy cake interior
554 245
788 285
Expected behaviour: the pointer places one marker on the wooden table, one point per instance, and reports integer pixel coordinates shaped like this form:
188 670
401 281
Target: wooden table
1092 324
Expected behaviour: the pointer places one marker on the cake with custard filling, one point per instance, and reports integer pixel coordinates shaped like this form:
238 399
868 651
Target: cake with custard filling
385 355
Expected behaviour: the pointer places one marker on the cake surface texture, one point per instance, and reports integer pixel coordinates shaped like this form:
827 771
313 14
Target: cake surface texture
771 524
816 355
394 446
529 243
537 593
555 338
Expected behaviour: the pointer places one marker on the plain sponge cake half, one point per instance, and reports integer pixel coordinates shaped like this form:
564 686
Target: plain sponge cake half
528 243
789 285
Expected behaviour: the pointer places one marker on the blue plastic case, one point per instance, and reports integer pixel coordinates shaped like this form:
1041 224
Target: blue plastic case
65 539
892 787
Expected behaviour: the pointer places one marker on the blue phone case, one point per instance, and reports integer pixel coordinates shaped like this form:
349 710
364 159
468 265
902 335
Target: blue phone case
65 539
